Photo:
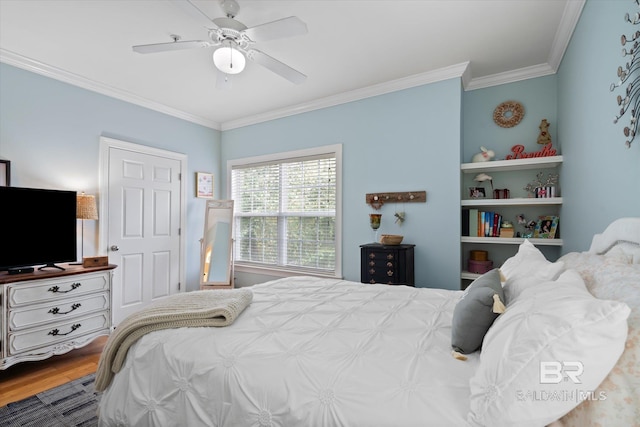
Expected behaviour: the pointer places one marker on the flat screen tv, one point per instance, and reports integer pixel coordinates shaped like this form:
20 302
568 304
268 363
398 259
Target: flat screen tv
37 228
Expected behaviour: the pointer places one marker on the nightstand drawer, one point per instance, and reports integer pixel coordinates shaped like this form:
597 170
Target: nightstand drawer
388 264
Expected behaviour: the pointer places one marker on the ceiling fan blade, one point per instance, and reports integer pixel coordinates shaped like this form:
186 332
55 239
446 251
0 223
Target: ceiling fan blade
191 10
276 66
285 27
164 47
224 81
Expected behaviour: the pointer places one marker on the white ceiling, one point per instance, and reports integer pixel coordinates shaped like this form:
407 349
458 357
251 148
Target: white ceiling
353 49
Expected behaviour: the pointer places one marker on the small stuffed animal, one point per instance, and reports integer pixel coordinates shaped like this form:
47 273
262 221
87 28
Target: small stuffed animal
484 156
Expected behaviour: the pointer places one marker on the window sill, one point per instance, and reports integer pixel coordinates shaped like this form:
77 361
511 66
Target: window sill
281 272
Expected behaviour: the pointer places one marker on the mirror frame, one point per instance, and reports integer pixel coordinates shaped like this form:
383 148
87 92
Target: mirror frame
229 282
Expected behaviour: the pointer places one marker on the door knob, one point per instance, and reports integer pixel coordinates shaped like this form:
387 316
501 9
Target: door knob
114 248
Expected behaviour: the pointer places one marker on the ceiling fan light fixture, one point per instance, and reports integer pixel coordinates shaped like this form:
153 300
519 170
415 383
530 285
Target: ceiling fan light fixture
229 60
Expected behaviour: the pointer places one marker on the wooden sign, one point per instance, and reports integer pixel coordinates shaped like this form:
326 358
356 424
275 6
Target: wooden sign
517 152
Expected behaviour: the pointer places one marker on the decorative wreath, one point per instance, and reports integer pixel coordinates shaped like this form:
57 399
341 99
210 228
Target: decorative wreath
508 114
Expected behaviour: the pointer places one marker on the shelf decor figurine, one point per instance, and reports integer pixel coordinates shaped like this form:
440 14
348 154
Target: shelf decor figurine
529 226
544 137
543 188
482 177
483 156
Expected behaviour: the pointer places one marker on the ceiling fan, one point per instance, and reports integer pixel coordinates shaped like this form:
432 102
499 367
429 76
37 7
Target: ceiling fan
232 41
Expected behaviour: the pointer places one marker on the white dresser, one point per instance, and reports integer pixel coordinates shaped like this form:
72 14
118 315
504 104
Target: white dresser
51 312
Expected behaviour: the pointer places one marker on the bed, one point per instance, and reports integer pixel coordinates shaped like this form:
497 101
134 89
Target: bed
323 352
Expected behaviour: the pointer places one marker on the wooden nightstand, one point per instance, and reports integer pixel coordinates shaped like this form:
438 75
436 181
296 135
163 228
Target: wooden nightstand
388 264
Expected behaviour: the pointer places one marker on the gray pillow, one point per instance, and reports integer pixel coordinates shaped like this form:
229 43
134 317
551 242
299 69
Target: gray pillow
474 314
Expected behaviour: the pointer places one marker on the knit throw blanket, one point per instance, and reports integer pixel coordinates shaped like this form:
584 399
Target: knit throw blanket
192 309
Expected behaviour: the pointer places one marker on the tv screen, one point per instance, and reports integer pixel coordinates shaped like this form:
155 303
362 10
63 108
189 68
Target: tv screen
37 227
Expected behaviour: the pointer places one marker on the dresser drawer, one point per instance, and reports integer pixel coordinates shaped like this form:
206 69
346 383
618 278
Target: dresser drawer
56 311
56 332
32 292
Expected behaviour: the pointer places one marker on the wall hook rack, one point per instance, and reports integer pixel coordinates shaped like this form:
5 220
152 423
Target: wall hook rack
376 200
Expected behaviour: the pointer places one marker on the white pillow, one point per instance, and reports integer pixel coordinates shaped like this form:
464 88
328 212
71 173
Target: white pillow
527 268
555 322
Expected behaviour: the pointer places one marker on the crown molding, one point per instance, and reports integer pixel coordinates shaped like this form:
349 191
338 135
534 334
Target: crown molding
510 76
568 22
453 71
12 58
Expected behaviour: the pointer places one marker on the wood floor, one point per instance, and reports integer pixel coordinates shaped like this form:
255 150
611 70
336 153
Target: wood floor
26 379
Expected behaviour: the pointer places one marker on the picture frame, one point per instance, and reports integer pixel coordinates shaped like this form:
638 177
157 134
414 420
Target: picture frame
477 192
204 185
5 173
547 227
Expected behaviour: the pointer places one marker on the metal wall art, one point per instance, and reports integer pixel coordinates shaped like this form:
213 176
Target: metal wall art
630 50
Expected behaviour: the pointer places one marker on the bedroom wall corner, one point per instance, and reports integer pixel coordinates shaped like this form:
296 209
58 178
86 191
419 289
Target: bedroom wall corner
402 141
600 176
50 131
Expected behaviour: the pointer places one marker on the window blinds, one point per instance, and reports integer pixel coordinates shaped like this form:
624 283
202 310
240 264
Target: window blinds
285 213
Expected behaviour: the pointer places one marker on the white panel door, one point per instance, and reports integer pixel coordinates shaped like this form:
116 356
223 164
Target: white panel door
144 228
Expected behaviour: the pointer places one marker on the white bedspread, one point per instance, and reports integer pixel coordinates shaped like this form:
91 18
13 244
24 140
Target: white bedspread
306 352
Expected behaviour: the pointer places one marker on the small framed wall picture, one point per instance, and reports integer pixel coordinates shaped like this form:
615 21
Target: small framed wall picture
5 173
546 227
204 185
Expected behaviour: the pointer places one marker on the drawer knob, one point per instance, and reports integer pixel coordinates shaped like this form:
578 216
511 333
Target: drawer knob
372 263
56 310
389 264
56 332
372 281
390 273
390 256
372 255
372 270
56 289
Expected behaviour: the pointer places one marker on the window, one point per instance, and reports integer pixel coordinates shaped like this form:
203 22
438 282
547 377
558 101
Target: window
287 211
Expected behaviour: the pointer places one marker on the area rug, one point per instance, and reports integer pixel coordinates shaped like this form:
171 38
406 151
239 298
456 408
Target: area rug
71 404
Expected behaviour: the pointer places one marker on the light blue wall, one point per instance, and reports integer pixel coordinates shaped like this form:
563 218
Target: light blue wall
601 178
50 132
537 96
402 141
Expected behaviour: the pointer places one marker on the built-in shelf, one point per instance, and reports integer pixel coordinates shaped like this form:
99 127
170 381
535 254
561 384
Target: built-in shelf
513 165
510 240
469 276
521 201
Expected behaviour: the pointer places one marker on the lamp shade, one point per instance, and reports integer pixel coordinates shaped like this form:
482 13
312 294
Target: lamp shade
86 207
229 60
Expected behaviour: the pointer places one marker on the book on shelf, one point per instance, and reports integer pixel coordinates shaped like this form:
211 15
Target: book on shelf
470 222
488 224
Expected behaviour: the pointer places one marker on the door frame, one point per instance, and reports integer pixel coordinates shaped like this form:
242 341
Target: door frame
103 234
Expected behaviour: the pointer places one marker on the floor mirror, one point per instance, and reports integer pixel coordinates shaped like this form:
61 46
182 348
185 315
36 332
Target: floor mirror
216 263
